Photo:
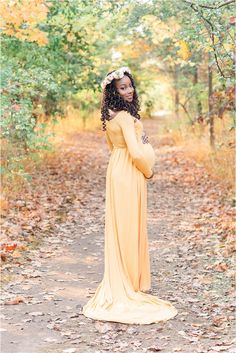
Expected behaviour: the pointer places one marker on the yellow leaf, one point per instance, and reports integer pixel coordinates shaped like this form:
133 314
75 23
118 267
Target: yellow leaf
31 13
184 51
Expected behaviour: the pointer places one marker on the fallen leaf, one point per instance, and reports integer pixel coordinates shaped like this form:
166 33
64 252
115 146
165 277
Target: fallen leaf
15 301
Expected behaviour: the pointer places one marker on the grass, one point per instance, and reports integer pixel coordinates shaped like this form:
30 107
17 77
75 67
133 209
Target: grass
219 162
74 121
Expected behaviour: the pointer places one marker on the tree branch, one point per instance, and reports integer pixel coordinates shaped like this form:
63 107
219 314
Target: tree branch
226 3
211 7
210 32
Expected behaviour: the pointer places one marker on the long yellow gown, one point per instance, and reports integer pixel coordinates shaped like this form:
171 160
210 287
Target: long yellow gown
119 296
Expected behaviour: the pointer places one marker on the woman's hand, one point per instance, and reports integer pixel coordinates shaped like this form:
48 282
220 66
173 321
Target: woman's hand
151 175
144 137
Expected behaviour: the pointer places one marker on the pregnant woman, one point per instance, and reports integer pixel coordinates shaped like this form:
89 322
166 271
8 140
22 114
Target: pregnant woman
122 294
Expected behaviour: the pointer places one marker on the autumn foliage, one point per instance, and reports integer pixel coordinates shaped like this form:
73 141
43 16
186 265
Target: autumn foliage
21 19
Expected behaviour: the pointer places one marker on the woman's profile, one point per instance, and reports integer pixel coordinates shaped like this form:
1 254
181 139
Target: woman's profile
122 296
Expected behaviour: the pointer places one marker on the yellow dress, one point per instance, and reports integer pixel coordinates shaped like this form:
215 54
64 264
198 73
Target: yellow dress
119 296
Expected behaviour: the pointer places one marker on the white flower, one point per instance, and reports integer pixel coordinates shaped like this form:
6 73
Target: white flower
118 74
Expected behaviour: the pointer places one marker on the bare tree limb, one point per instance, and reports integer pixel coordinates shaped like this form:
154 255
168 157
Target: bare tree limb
211 7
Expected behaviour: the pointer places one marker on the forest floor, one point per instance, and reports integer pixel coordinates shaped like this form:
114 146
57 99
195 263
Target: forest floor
52 260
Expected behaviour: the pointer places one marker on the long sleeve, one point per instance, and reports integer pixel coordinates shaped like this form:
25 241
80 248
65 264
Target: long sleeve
127 124
109 143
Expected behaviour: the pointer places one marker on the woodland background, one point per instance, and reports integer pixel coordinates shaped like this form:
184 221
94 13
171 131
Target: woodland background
54 55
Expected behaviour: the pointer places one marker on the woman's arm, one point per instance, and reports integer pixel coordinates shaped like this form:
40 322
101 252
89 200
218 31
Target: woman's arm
126 122
109 143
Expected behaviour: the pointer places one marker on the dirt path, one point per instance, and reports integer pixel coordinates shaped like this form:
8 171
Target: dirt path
188 265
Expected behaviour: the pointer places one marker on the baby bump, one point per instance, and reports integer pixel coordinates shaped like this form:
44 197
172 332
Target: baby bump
149 153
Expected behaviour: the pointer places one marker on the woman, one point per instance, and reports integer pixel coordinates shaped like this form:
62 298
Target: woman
121 296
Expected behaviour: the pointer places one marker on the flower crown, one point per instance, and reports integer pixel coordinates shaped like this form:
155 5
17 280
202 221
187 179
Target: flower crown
118 74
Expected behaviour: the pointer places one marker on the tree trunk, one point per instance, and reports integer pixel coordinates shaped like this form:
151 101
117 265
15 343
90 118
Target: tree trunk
176 91
199 103
210 103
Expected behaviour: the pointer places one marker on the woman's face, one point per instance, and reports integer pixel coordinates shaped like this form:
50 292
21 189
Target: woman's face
125 88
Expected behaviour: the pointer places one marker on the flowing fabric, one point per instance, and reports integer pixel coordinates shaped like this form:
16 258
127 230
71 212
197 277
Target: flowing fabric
120 297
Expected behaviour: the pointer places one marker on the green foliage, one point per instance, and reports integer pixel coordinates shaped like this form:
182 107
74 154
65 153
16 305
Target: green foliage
22 93
167 40
36 80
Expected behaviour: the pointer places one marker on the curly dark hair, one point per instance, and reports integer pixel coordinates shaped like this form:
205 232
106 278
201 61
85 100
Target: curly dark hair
112 100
